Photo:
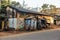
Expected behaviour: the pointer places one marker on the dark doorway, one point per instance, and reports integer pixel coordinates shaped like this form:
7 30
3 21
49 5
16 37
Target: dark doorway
54 22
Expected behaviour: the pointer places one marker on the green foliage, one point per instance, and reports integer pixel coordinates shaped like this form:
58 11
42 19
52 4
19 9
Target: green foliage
4 3
14 3
44 6
52 6
3 8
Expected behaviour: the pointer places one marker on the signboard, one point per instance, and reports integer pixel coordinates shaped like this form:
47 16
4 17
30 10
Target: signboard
12 22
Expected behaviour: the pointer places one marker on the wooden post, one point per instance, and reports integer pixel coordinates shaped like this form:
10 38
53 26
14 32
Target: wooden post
2 25
7 25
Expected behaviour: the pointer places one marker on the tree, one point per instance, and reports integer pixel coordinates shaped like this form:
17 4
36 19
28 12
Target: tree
53 8
5 2
44 6
15 4
3 5
24 5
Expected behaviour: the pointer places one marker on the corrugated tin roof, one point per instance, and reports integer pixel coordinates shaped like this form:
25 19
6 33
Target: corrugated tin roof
23 10
28 11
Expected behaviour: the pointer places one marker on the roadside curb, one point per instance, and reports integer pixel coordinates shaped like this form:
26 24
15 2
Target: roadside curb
27 33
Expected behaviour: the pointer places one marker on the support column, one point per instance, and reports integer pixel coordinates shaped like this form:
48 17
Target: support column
2 25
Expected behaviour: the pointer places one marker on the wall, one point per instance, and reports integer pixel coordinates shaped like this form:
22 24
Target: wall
50 19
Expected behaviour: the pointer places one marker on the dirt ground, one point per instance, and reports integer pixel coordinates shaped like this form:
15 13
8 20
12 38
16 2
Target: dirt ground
55 26
7 33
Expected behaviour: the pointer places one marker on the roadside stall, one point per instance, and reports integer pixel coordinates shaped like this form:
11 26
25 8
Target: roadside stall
30 24
16 24
39 24
42 22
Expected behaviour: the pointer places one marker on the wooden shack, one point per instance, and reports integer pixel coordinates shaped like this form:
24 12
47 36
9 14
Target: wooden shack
21 14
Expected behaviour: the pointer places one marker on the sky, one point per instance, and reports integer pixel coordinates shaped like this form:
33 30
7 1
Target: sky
39 3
